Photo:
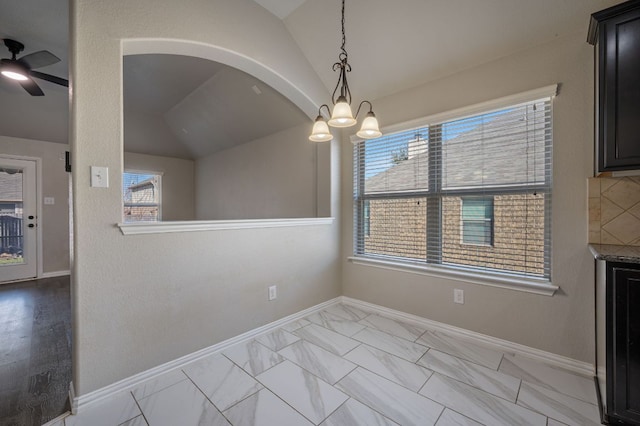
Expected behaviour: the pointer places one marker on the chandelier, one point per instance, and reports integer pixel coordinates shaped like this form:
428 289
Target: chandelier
342 115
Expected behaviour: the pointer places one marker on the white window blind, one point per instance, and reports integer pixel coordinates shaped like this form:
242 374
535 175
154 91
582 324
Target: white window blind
472 193
141 196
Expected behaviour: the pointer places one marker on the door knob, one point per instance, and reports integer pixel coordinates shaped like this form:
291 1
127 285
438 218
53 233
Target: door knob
31 217
31 225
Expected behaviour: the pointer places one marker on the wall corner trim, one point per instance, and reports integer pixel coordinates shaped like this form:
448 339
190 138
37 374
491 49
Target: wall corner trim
527 285
54 274
58 420
83 402
576 366
217 225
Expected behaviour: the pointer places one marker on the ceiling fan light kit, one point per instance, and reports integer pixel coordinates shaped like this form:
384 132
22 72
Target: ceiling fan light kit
13 72
21 70
342 115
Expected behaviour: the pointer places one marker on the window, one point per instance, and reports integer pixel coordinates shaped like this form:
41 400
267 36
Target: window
141 196
471 193
10 209
366 219
477 220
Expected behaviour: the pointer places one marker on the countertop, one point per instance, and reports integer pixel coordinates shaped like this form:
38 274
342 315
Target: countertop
613 253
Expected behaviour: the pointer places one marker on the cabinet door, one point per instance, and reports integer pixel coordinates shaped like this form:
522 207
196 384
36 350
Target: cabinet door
619 94
623 399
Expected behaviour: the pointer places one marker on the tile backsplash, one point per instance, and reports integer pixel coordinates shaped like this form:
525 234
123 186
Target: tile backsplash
614 210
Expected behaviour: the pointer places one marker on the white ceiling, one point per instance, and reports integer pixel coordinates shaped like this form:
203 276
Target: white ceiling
392 46
397 45
155 83
280 8
188 107
39 26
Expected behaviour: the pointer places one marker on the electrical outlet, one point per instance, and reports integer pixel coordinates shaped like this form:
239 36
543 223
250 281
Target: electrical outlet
458 296
273 292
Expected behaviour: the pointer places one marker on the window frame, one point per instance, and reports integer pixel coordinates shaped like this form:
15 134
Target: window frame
159 190
504 279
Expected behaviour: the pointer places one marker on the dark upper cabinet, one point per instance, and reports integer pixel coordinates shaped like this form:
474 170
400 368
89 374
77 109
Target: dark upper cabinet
616 34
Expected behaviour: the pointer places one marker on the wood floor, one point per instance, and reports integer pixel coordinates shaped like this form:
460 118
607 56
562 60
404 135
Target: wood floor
35 351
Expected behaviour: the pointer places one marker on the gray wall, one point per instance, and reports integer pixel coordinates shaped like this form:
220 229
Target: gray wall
562 324
142 300
178 192
272 177
178 184
55 183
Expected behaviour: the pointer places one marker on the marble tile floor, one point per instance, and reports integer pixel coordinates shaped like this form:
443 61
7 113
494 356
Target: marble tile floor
346 366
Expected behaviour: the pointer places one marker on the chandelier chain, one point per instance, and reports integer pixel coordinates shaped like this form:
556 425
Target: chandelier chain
344 37
343 66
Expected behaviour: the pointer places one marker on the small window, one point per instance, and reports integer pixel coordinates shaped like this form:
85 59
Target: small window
477 220
141 196
367 218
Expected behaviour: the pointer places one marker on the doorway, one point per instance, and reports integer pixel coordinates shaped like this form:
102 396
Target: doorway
18 219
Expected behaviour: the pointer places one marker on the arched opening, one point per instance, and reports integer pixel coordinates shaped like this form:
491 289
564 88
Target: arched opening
224 134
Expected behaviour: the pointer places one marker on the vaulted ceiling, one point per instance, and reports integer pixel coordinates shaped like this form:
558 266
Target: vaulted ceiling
188 107
185 107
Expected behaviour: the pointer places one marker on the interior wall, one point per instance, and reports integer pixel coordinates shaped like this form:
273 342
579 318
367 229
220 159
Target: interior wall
562 324
178 183
272 177
55 183
143 300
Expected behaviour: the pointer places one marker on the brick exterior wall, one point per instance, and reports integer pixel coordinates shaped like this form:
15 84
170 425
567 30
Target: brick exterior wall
398 228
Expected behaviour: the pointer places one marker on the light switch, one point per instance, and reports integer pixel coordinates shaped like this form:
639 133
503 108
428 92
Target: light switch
49 201
99 177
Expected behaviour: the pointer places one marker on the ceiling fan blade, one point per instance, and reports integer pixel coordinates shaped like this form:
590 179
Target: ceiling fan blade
39 59
31 87
50 78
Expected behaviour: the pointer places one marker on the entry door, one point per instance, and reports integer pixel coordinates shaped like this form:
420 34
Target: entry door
18 221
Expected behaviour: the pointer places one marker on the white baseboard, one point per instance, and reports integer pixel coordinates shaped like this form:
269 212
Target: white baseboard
82 402
38 277
72 397
579 367
58 421
54 274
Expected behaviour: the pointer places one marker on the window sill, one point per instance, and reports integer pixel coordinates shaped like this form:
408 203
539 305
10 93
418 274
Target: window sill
217 225
529 285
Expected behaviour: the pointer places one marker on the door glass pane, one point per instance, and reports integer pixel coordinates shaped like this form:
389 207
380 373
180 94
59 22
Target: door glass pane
11 224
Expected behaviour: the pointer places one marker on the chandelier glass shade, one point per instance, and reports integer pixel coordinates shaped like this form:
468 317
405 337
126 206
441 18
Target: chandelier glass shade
320 132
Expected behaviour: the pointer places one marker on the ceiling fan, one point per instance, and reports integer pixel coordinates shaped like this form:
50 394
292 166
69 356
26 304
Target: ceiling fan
22 69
